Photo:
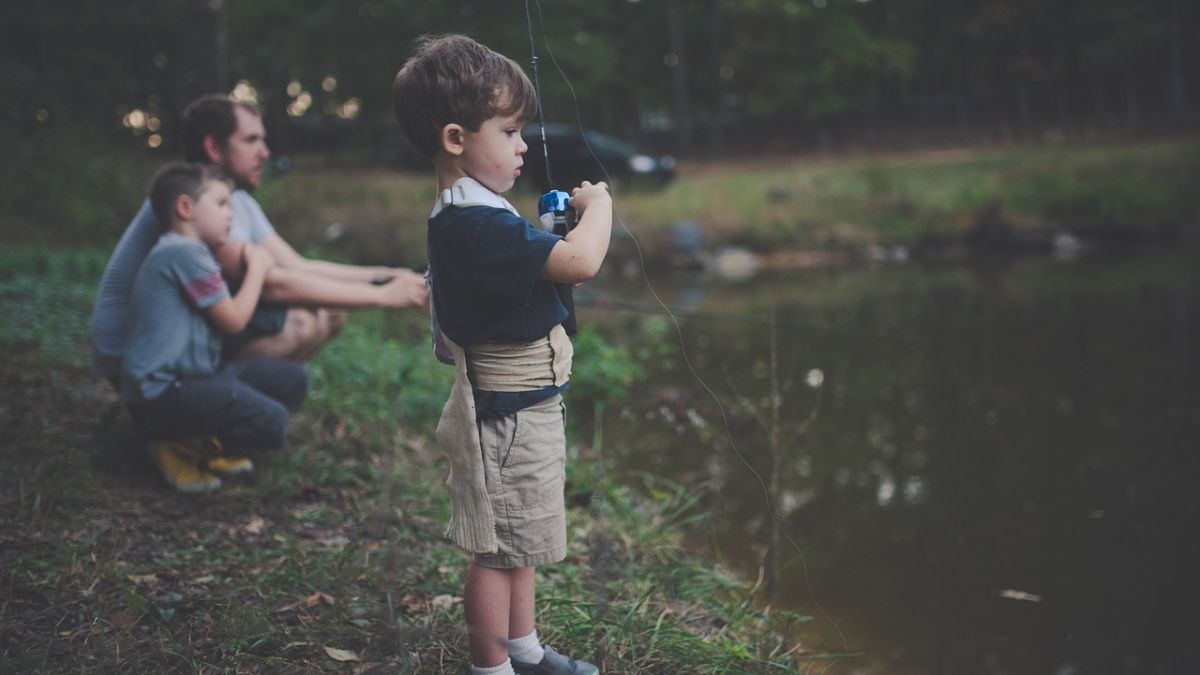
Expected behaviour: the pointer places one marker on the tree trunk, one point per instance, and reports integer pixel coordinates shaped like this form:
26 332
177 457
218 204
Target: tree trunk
1131 102
1026 116
1100 114
220 11
716 130
680 98
1178 93
962 115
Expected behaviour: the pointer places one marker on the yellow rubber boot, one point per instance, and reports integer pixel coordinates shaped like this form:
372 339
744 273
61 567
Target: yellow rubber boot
180 469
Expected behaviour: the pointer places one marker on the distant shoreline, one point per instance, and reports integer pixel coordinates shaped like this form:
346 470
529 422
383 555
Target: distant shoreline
787 212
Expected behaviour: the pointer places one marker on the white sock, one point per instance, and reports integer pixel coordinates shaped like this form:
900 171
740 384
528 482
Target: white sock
502 669
526 649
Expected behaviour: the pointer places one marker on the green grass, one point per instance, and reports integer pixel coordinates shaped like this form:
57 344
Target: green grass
47 299
887 199
804 202
336 543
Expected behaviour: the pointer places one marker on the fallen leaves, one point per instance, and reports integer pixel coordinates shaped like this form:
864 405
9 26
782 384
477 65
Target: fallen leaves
445 601
311 601
1013 594
341 654
318 598
332 540
423 604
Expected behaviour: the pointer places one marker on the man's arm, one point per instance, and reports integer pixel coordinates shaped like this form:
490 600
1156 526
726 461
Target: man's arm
287 258
231 315
297 285
300 287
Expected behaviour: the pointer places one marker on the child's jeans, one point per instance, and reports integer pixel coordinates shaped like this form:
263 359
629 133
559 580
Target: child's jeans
245 404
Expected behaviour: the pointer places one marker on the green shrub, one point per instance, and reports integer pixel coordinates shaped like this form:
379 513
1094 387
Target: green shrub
67 185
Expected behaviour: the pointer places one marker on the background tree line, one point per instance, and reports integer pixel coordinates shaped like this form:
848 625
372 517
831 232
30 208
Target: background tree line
89 87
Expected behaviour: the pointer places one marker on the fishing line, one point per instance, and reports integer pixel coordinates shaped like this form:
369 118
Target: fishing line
605 304
675 321
537 87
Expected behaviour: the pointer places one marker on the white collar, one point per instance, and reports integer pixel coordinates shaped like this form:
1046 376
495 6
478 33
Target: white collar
467 191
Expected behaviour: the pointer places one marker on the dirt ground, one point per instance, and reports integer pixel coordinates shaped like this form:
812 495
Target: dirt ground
107 570
330 559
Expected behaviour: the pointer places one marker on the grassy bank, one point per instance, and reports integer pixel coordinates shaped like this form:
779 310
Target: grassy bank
927 201
999 196
331 559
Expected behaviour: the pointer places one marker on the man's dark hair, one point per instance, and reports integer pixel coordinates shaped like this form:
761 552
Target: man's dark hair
180 178
210 115
452 79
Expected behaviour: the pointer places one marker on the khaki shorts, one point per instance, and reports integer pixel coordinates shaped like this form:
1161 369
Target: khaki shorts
523 459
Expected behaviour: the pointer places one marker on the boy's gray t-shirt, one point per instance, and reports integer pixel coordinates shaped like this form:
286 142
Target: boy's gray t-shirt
168 334
110 315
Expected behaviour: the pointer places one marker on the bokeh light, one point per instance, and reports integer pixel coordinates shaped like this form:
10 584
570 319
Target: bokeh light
350 109
244 92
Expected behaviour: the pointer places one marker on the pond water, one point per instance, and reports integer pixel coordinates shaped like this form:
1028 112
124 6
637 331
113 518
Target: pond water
1000 476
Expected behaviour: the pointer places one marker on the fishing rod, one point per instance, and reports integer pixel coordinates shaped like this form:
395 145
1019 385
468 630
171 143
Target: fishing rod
554 207
537 88
650 286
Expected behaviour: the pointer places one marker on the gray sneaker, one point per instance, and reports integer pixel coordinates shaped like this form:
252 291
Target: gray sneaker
554 663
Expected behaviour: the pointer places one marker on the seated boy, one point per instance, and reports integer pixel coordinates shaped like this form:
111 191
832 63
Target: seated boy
494 276
172 379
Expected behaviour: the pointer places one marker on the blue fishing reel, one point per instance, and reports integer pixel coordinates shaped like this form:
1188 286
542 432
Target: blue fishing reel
557 217
555 213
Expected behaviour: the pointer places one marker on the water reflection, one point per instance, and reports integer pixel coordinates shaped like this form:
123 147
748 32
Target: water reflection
986 437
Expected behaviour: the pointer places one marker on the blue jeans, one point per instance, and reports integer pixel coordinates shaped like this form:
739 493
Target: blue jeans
245 404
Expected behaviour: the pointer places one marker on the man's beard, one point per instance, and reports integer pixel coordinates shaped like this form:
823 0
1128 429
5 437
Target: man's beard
238 181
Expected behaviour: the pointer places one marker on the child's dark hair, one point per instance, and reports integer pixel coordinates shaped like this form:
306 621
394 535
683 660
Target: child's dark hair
452 79
210 115
180 178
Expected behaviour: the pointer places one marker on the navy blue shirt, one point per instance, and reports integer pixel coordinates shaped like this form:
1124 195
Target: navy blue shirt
487 287
487 276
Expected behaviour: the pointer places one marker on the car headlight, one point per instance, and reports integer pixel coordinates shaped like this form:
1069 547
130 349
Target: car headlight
641 164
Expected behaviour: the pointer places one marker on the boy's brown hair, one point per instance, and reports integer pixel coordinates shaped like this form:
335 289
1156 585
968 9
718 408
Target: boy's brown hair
175 180
452 79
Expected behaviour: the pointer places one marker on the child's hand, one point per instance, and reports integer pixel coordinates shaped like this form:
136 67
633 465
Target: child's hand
586 194
257 257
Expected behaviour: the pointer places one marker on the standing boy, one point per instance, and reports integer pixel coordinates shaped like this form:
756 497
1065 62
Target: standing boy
171 376
463 105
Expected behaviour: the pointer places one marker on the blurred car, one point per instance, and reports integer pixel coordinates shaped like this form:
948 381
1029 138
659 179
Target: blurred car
572 162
